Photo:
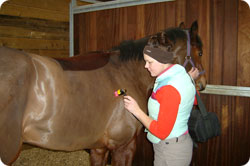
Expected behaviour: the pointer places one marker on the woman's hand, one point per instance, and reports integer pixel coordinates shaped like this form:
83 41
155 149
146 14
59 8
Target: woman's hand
194 73
131 105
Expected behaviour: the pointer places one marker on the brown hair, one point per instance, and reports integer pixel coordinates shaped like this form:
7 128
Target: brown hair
157 49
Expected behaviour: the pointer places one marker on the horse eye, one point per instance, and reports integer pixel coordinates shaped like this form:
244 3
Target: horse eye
200 53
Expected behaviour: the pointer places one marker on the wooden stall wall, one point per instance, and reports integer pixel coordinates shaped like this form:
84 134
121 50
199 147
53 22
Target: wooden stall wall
40 26
242 113
224 29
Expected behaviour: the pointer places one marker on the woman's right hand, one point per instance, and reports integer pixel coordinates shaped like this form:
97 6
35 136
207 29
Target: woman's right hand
131 105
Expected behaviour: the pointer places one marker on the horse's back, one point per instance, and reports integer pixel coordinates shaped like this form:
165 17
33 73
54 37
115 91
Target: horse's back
87 61
15 67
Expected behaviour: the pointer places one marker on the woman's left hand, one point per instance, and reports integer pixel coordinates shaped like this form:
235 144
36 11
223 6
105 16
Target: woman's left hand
131 105
194 72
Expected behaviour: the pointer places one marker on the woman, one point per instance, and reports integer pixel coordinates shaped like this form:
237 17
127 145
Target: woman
169 108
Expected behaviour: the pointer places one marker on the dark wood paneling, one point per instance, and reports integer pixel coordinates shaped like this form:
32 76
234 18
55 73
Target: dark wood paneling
103 30
76 34
217 35
240 117
243 58
230 43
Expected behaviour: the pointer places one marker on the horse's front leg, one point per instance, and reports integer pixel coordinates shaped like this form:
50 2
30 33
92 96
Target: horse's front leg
123 155
98 157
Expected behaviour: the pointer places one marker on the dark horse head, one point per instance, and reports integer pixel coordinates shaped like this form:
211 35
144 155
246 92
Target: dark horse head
186 45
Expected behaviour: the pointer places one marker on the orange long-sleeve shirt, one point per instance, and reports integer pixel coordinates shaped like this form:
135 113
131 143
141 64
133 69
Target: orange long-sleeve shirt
169 100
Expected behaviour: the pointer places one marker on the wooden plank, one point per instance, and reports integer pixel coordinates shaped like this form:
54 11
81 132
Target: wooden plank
217 36
110 23
123 19
150 17
53 5
192 12
243 60
76 34
227 90
25 43
169 15
241 132
140 26
116 27
241 114
205 33
93 32
32 12
160 14
180 12
34 24
230 42
131 22
227 104
17 32
82 32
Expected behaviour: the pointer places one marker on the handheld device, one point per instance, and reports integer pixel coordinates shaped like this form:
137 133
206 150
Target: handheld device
120 92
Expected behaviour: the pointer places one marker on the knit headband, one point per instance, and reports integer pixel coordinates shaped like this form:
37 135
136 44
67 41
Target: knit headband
158 54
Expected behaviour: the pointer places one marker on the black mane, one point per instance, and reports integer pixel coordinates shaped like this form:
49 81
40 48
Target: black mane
132 49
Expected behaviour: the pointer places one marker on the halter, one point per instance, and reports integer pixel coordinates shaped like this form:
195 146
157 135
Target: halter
188 57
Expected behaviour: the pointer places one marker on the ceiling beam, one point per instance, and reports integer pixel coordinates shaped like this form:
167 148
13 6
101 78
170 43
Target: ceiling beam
113 4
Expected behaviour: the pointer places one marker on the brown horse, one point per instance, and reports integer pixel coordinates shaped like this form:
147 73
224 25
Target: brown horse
59 106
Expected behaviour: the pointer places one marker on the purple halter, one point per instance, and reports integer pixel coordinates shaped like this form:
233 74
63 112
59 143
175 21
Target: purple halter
188 57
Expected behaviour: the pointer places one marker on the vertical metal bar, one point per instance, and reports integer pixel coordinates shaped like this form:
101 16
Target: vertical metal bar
71 27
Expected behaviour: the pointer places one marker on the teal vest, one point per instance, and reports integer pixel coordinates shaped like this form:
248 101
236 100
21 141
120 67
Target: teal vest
177 77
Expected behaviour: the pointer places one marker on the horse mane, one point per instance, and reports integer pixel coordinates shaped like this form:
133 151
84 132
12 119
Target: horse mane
129 50
133 49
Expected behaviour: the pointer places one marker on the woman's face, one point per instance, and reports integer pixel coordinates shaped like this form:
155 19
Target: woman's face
153 66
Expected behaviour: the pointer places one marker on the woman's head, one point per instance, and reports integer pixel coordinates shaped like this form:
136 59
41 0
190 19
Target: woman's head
153 66
157 56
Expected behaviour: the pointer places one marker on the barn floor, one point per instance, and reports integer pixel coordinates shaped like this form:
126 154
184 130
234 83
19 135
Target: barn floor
33 156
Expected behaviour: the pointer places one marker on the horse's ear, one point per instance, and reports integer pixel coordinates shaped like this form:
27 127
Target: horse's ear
182 25
194 28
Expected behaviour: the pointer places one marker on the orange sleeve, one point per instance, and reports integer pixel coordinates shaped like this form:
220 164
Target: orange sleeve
169 99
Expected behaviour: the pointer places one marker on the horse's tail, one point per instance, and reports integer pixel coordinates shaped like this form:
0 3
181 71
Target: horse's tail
14 84
131 49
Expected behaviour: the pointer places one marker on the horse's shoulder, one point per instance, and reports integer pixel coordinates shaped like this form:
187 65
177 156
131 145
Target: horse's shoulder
87 61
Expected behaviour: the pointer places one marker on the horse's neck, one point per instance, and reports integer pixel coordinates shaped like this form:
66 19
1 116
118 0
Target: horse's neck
180 52
142 75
